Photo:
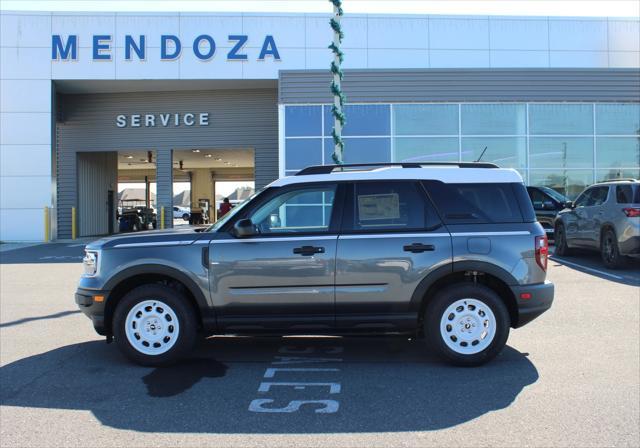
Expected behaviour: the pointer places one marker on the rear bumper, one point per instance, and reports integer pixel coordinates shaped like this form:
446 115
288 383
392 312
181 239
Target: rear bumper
630 246
85 299
540 301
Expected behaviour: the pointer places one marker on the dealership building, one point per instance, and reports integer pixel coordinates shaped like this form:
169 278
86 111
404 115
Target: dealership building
93 100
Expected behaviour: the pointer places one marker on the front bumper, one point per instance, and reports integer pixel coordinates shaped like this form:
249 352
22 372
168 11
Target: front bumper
539 302
85 299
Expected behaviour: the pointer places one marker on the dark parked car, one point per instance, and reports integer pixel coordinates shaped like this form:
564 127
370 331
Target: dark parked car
547 202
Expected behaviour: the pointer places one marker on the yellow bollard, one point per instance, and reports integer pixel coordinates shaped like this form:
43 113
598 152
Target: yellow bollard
73 223
162 217
46 224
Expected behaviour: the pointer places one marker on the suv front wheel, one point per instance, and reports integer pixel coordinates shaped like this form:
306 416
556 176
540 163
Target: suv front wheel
154 325
467 324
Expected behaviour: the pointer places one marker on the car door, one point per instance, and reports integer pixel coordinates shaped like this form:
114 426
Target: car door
575 220
283 277
391 239
593 214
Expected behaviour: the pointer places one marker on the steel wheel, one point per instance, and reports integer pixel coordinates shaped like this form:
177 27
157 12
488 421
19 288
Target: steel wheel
152 327
468 326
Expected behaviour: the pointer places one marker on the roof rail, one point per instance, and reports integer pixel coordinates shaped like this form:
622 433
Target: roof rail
327 169
622 179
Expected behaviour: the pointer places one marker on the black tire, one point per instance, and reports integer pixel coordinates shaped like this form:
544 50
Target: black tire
609 251
436 309
185 217
181 308
560 241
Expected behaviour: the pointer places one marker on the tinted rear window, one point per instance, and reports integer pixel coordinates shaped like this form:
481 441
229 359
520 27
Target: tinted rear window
476 203
628 194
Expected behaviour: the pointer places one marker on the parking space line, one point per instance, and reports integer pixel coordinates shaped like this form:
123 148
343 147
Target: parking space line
586 268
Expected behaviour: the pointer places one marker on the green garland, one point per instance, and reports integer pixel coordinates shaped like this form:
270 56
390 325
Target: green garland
339 99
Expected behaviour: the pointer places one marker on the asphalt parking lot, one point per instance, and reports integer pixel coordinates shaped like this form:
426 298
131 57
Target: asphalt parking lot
571 378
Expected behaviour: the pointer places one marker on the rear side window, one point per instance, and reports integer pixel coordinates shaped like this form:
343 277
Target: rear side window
477 203
389 206
627 194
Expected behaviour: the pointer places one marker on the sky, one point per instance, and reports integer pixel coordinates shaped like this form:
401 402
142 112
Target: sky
575 8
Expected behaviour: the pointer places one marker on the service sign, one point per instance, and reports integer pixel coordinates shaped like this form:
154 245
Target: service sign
162 120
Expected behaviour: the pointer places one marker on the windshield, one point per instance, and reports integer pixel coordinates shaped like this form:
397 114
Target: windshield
222 221
554 194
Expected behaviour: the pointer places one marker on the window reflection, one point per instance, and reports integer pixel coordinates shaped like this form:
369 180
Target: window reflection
426 149
425 119
561 119
493 119
506 152
561 152
568 182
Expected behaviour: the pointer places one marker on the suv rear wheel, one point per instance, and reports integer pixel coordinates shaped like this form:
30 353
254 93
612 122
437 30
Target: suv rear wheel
467 324
609 250
154 325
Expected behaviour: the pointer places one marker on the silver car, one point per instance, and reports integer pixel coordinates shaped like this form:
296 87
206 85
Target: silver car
605 217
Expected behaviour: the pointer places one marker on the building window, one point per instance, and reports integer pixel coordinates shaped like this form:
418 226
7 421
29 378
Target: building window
561 152
565 146
363 120
361 150
618 119
303 121
493 119
426 149
506 152
425 119
561 119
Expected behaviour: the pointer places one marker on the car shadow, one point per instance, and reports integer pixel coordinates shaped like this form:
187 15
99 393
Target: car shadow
384 385
589 262
44 253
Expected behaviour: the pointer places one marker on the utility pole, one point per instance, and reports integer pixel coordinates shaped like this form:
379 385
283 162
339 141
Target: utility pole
336 88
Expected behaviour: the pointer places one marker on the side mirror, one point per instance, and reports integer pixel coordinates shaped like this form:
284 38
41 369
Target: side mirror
244 228
570 204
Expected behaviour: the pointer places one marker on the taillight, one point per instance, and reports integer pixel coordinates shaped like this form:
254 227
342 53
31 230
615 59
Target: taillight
632 212
542 251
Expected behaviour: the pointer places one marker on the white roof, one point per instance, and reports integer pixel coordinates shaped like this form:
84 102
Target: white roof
446 174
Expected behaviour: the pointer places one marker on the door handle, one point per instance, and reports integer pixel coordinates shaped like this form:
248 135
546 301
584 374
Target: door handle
308 250
416 248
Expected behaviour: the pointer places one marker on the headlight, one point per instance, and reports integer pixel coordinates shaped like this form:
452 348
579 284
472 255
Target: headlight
90 263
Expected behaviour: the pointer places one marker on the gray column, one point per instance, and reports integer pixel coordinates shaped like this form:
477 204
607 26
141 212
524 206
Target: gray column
164 185
66 191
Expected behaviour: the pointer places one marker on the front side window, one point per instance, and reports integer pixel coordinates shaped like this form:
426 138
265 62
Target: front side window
304 210
598 196
395 206
583 199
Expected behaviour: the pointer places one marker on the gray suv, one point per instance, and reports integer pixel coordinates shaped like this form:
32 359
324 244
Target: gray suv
605 217
451 253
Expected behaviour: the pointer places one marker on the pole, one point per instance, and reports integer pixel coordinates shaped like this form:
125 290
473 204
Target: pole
162 217
336 86
47 230
73 223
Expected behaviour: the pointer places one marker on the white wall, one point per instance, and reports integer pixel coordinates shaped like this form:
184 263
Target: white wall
371 41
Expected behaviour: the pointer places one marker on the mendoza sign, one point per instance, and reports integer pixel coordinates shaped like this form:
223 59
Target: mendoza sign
135 47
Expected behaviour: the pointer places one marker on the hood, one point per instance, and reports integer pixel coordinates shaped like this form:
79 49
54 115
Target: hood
176 236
